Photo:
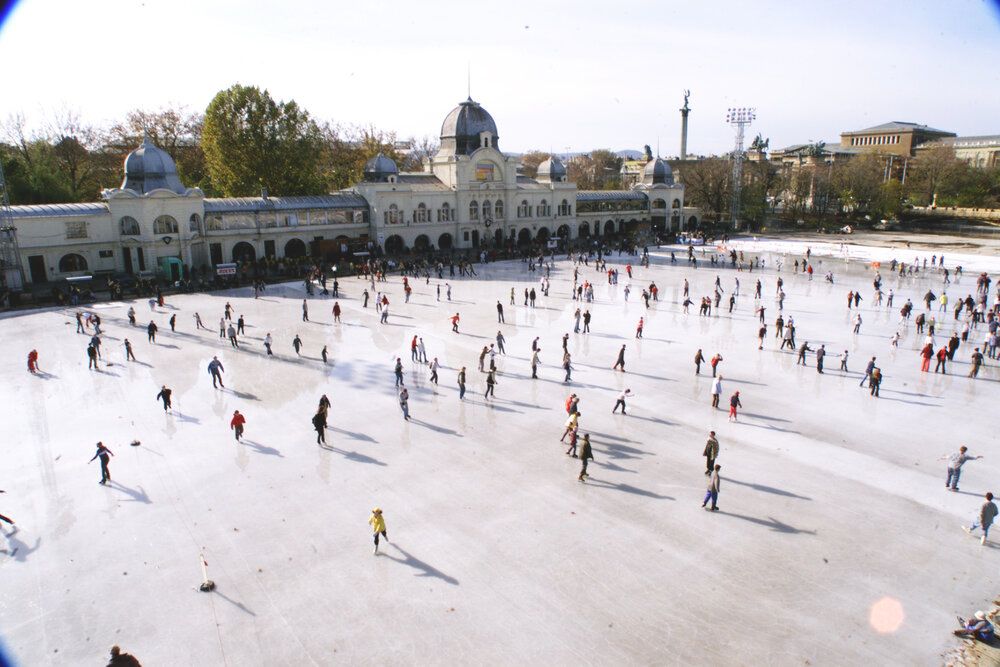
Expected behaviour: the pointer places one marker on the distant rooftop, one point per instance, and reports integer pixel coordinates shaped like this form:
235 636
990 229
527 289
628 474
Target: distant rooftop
898 126
58 210
250 204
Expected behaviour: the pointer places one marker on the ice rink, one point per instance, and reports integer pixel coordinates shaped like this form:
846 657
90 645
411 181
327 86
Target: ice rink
836 542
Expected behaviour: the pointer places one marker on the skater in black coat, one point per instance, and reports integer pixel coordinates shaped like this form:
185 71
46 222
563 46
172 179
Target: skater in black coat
164 396
319 423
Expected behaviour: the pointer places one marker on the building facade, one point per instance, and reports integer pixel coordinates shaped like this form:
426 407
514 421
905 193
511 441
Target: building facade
468 196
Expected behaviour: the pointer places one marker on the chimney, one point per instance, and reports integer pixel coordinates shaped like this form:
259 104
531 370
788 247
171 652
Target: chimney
263 193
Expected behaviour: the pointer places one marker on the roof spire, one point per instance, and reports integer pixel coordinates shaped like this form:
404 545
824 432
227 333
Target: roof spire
468 79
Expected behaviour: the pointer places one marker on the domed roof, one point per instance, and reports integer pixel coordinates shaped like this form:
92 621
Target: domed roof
149 168
552 169
658 172
379 168
461 129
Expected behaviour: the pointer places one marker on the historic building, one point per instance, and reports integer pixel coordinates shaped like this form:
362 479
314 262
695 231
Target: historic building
469 195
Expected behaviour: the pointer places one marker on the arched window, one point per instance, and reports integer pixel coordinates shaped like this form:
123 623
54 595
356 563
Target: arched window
544 210
564 208
676 204
392 215
72 262
165 224
473 210
498 209
129 226
524 211
487 210
194 224
444 213
422 212
659 203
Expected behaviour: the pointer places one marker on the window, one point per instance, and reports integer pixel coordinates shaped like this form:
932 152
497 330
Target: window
215 225
543 210
465 236
676 204
485 171
498 210
565 208
444 213
194 224
72 262
421 213
487 210
473 210
129 226
524 211
392 216
76 230
165 224
105 254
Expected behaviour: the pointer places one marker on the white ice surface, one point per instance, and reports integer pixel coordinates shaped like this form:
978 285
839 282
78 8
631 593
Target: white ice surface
831 500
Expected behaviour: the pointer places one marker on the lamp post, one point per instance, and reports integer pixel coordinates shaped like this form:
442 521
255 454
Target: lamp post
740 118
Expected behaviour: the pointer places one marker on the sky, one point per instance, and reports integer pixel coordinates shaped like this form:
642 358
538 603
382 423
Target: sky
556 76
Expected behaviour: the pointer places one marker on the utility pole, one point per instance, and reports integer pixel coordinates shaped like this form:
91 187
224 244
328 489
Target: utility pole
11 272
740 118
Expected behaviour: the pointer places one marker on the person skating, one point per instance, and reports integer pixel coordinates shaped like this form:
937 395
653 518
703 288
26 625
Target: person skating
586 455
222 327
638 328
843 361
716 391
761 334
323 353
715 361
267 344
500 341
151 330
699 359
734 402
404 403
572 423
499 312
491 382
942 357
241 326
711 452
319 424
164 396
620 362
377 522
568 367
129 355
977 361
297 344
620 403
336 311
461 384
421 352
987 512
955 463
535 360
231 334
305 311
571 450
33 362
875 382
92 357
434 366
398 370
802 353
228 310
236 424
586 322
131 315
216 370
868 372
455 319
173 322
820 355
104 454
712 492
926 353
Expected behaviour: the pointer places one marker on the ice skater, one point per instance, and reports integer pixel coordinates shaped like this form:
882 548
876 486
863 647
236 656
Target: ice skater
699 359
151 330
434 366
236 424
712 492
323 354
711 452
987 512
104 454
620 403
377 522
586 455
404 403
305 311
955 463
216 370
461 384
33 362
716 391
164 396
267 344
620 362
297 344
734 403
319 424
491 382
398 370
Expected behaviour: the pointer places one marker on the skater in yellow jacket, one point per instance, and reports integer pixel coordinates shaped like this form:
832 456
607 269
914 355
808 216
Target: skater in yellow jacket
378 526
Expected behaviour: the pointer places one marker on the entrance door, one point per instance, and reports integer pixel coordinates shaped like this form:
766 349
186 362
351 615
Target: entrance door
127 255
475 238
36 266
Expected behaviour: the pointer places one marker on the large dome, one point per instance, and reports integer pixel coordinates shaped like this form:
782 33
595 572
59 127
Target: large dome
149 168
657 172
463 128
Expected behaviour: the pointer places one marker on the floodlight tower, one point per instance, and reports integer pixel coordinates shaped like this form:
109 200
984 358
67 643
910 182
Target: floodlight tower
739 118
11 273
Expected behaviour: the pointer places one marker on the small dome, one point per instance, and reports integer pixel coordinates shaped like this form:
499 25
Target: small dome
658 172
380 168
463 127
552 170
149 168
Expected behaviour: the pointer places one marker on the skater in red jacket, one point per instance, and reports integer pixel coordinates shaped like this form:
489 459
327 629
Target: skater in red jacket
237 424
33 361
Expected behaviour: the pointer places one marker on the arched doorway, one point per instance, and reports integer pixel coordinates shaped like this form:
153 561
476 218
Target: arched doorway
543 234
563 232
244 252
692 223
444 242
524 237
394 245
421 243
498 237
675 221
72 262
584 230
609 227
295 248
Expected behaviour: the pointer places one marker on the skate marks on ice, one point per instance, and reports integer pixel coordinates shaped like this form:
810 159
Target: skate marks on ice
424 569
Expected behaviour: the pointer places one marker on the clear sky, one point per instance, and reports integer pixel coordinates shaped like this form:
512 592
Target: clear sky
555 75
